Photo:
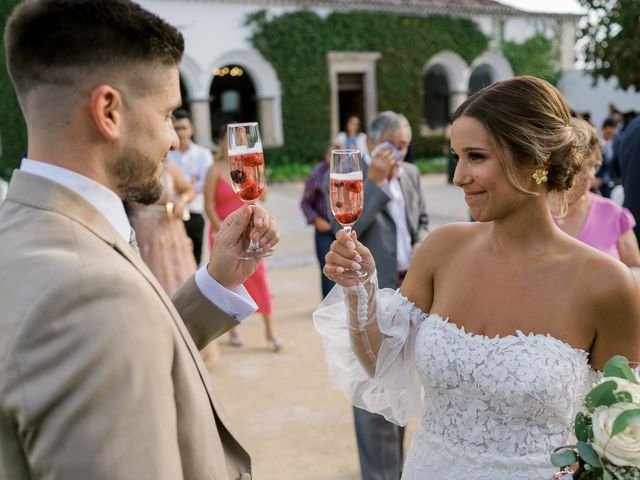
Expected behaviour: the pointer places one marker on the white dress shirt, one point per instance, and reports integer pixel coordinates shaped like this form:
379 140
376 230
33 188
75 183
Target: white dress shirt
238 304
194 163
398 211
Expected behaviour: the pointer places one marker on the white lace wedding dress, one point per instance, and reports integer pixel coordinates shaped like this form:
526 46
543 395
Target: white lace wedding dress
489 408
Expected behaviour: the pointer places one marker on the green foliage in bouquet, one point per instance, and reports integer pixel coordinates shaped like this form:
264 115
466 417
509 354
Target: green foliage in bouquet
608 432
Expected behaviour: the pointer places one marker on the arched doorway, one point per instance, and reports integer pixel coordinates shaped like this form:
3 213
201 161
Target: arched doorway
482 76
233 98
436 98
184 93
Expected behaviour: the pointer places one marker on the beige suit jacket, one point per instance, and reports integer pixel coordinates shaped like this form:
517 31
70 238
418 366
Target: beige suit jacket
100 376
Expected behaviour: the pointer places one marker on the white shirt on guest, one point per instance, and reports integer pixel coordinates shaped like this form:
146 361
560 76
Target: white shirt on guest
398 211
238 304
194 163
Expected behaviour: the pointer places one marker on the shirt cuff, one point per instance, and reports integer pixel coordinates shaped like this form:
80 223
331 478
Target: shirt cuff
235 303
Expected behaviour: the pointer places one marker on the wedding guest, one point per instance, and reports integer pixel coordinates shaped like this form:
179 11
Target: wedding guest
219 201
498 329
160 233
194 160
353 137
593 219
614 114
314 207
608 174
100 376
629 158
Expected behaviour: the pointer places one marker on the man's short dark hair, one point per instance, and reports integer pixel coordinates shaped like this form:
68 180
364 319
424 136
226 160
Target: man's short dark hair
609 122
181 113
53 41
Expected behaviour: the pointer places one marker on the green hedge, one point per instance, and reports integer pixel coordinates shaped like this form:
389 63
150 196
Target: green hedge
13 132
296 44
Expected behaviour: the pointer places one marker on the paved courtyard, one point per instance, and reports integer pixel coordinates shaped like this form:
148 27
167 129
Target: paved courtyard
295 425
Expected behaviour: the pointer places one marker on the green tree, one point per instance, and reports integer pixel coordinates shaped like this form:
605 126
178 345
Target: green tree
610 32
13 132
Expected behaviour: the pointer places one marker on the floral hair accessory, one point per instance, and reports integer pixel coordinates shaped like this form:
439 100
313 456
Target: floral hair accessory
540 175
608 433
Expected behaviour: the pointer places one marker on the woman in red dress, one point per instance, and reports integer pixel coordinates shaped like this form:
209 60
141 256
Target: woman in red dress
219 201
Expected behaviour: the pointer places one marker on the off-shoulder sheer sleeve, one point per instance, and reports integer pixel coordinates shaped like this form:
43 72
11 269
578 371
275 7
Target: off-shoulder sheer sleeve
369 339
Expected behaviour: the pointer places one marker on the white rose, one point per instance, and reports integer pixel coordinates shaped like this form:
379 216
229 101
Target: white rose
624 448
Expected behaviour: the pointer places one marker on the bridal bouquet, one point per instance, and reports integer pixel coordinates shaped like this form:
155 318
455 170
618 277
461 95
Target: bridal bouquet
608 432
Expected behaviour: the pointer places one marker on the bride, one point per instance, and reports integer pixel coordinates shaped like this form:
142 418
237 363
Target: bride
497 331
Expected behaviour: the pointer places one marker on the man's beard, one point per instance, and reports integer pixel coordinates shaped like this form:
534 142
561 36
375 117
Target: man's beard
138 181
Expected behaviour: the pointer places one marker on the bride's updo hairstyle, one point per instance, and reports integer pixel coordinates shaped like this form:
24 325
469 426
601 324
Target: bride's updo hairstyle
529 119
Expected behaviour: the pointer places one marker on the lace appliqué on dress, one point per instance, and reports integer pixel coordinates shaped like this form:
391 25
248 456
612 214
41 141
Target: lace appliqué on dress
494 407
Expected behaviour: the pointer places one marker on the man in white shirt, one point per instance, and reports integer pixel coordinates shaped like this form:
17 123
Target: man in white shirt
194 160
100 374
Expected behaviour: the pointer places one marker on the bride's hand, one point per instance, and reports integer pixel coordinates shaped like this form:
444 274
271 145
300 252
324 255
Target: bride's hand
347 253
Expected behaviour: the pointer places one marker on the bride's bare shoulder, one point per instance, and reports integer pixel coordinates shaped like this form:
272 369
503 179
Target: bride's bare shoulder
442 243
452 235
435 251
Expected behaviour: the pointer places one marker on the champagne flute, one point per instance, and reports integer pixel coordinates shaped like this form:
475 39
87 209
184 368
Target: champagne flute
246 162
346 191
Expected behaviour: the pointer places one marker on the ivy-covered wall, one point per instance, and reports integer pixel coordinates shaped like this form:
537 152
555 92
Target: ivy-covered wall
13 132
296 44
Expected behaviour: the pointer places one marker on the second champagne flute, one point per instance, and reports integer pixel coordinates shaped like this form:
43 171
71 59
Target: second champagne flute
246 162
346 191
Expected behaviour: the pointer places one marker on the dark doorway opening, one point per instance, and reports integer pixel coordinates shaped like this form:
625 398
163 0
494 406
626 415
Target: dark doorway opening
482 76
436 98
350 98
233 98
186 103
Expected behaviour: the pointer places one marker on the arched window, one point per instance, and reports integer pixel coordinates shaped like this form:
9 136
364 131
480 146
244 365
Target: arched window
184 93
481 77
230 101
233 98
436 97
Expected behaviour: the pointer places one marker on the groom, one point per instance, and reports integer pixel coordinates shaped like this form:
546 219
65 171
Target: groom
100 375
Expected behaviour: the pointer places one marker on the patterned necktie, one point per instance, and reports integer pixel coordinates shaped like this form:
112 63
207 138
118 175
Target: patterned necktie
133 242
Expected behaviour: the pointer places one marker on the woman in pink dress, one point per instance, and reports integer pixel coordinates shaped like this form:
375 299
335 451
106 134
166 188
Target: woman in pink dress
593 219
219 201
162 239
